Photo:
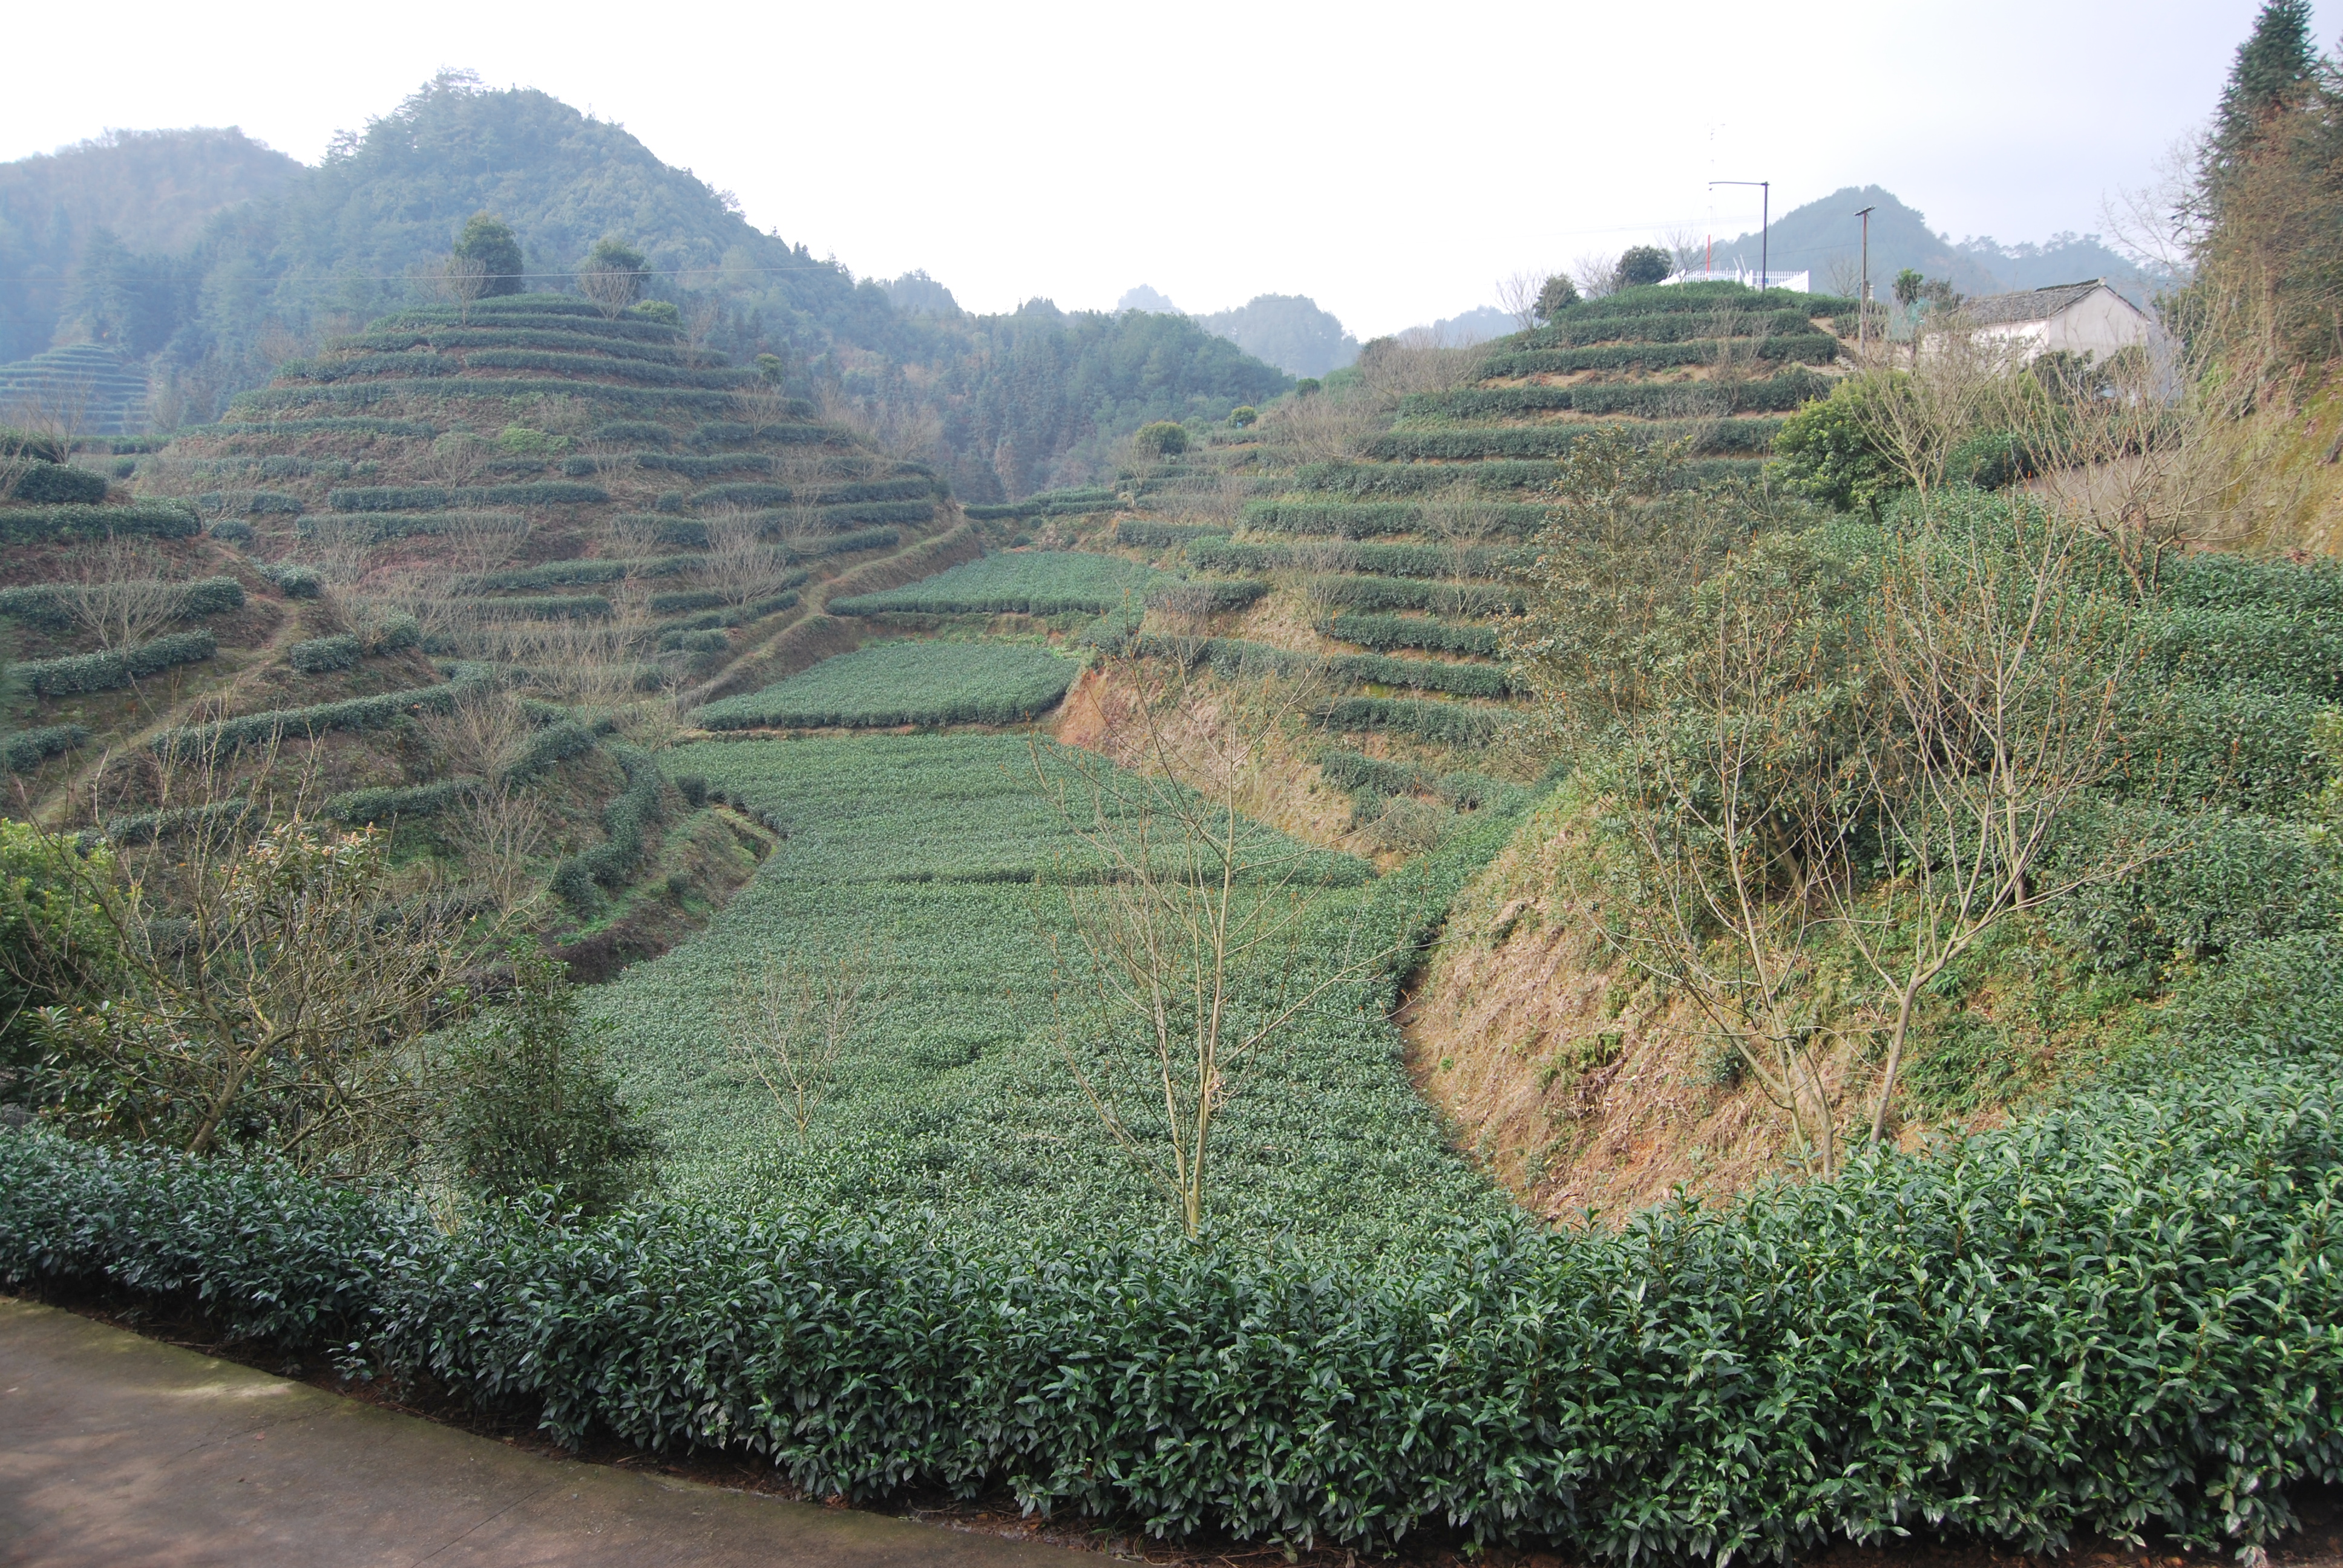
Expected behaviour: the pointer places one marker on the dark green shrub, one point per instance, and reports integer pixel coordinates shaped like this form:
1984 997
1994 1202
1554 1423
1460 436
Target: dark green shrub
232 531
1408 593
1557 294
1640 265
693 789
332 426
364 394
630 814
395 634
1553 441
690 599
1162 439
57 484
2222 579
1206 596
570 574
2275 649
320 655
487 242
1826 452
439 498
1156 535
28 748
638 371
564 738
698 467
533 1108
2230 879
1244 415
683 640
354 366
1800 348
159 826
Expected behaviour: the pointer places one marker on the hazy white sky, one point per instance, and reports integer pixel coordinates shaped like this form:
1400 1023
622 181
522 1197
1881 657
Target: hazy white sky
1390 162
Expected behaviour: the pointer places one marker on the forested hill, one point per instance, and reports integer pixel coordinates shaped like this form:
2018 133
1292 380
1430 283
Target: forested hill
263 269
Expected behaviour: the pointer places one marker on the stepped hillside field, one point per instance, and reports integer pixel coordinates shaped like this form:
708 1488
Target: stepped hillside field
944 859
888 684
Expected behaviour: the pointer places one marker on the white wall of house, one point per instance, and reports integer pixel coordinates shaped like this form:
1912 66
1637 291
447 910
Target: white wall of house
2101 324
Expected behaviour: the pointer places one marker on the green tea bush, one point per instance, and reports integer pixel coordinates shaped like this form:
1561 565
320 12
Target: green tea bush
872 512
691 639
1150 534
276 428
629 369
2290 650
229 530
2222 579
693 467
1022 582
1232 657
354 713
322 654
537 606
250 503
439 498
558 742
377 527
1553 441
296 581
451 340
1410 631
1205 596
113 670
459 389
2107 1319
629 430
1799 349
534 1112
399 803
1442 723
39 447
28 748
1408 593
574 573
1219 553
689 600
896 683
151 519
1709 298
160 826
625 820
57 484
1661 326
2217 747
2226 881
49 605
394 634
394 363
743 494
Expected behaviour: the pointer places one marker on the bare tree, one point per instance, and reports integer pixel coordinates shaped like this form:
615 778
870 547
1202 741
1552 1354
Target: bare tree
1184 964
454 459
117 594
1686 247
480 542
1596 273
741 563
462 281
789 1021
1517 296
700 321
611 289
501 830
1997 674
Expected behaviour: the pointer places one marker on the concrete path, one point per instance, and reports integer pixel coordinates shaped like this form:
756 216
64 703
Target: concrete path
118 1451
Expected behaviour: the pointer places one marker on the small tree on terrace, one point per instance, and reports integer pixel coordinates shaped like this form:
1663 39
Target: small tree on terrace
1557 294
489 244
1644 263
612 276
1187 959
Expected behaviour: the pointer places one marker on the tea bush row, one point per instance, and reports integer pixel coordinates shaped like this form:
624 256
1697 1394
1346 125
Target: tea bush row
352 367
361 393
149 519
641 372
1410 631
1217 552
439 497
1020 582
1663 326
573 323
1367 519
1442 723
573 573
1801 348
1355 773
323 655
446 339
1552 440
1422 479
1786 392
50 606
57 484
278 429
533 607
2223 579
1233 659
664 604
111 670
1687 297
353 713
1408 593
250 503
377 527
400 801
28 748
1148 533
2107 1319
896 683
2279 650
627 822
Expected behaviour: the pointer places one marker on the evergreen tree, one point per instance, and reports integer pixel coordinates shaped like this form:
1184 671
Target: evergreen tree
489 240
2274 69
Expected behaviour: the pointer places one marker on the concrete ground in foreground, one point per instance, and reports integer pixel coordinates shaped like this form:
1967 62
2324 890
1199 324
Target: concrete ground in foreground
120 1450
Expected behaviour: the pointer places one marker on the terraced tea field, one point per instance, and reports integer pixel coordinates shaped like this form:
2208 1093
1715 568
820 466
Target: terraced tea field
891 683
1016 582
939 855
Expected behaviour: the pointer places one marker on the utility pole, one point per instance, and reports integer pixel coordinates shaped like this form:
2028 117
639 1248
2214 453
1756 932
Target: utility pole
1863 306
1765 226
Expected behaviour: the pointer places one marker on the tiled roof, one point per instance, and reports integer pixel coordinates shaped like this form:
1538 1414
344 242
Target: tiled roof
2030 304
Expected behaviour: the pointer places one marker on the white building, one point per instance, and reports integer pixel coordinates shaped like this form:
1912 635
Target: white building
1796 282
2079 318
